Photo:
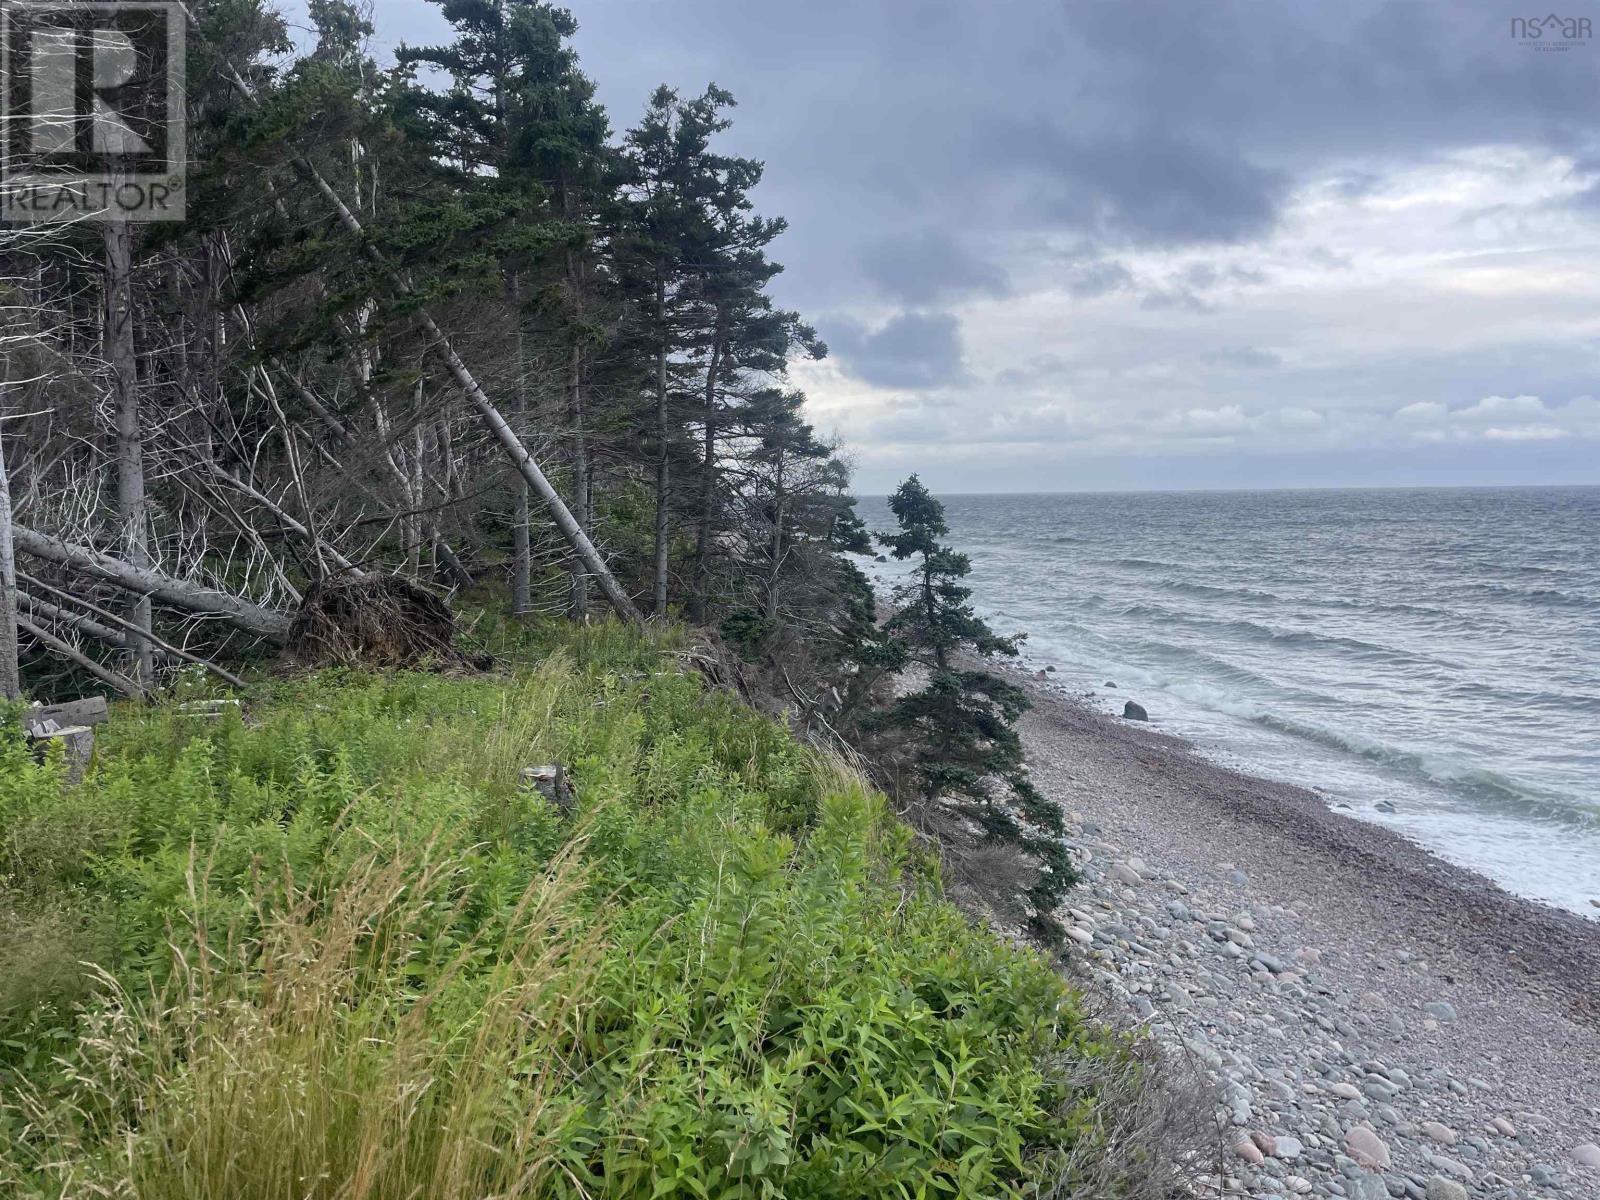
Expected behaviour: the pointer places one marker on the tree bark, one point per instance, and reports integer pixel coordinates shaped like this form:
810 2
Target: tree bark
521 542
663 456
776 550
132 510
578 603
101 632
128 687
36 607
146 581
699 584
10 679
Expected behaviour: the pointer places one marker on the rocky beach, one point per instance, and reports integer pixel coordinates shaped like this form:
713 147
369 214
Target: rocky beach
1371 1020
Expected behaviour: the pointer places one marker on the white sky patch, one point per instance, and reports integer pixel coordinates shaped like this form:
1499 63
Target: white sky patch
1370 316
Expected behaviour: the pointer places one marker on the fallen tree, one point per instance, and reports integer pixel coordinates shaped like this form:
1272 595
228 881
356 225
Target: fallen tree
146 581
492 417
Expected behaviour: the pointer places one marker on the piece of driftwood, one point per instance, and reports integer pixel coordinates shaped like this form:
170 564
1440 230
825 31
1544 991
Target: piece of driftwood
552 783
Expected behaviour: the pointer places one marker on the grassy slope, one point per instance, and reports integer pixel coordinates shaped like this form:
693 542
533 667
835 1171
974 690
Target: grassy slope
342 954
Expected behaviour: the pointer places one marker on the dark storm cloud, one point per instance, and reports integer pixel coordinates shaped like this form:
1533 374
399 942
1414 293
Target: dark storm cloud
1115 203
930 267
1146 186
1161 123
912 350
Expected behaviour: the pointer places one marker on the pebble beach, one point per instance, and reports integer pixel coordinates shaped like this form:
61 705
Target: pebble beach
1370 1021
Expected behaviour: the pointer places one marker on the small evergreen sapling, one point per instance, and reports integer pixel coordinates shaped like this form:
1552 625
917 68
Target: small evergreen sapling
962 718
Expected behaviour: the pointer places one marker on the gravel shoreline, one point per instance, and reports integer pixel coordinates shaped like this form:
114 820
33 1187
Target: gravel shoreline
1377 1022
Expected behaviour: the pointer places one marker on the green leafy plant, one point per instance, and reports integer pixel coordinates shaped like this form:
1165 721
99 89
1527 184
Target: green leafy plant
349 955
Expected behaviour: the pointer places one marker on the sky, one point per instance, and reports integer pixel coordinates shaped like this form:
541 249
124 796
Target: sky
1128 244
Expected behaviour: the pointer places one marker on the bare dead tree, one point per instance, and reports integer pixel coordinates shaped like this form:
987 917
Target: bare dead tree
10 679
132 510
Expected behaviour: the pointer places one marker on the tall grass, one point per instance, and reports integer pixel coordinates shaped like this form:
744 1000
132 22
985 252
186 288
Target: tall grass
338 952
336 1054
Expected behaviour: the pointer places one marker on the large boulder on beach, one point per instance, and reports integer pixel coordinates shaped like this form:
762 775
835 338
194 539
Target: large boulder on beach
1134 712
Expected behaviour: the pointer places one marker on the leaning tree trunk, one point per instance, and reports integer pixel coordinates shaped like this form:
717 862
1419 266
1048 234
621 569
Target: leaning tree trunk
10 679
530 470
132 511
145 581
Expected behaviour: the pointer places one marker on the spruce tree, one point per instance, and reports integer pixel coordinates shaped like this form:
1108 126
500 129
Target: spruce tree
965 751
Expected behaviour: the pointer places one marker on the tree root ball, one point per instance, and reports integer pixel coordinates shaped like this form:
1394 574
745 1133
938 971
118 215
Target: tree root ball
381 621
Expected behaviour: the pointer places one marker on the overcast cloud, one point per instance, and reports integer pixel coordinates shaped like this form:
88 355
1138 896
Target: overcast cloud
1161 244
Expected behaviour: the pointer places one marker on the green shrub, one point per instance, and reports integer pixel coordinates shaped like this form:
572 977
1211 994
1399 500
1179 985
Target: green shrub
339 951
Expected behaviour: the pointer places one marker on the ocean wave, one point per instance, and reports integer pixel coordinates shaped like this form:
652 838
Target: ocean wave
1269 635
1145 564
1461 778
1539 597
1190 588
1449 618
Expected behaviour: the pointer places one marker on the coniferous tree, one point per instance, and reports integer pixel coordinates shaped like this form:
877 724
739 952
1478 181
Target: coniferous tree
520 112
669 177
961 719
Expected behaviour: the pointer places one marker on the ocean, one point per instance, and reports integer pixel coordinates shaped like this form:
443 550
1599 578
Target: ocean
1427 658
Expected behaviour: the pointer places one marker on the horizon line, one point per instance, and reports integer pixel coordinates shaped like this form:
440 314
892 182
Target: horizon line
1337 487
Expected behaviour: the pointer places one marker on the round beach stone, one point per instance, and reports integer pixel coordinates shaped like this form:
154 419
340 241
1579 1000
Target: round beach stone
1440 1188
1366 1187
1587 1155
1442 1134
1366 1148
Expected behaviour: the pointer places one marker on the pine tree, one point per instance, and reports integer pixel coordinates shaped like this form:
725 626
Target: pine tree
962 718
520 112
670 178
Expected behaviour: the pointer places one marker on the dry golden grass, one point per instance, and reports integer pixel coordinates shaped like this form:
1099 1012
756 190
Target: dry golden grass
333 1059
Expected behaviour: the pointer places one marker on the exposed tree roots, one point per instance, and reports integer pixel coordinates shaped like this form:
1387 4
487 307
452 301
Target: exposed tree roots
380 621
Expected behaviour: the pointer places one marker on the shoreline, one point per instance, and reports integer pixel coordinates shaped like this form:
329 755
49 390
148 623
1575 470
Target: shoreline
1338 980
